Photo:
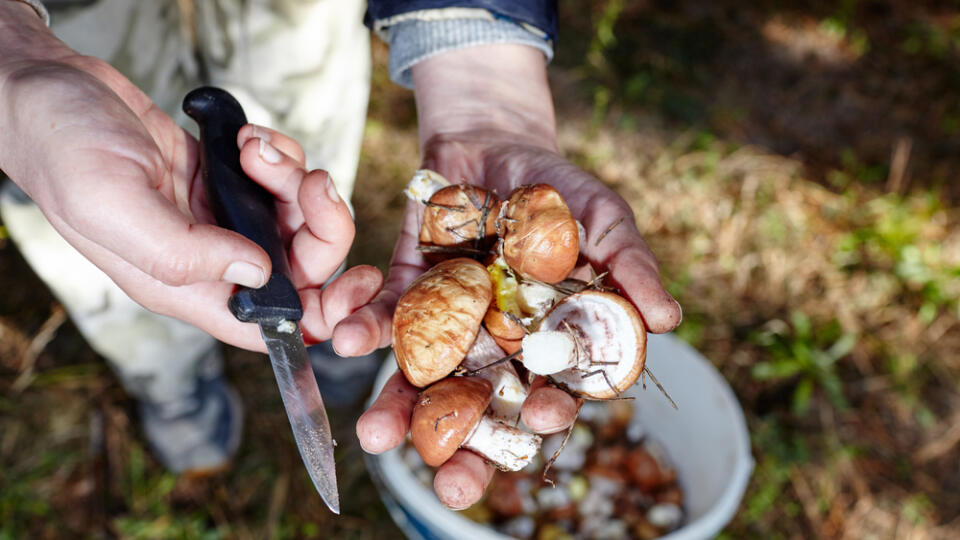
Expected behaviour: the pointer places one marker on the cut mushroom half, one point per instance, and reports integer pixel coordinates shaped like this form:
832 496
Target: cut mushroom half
449 415
592 343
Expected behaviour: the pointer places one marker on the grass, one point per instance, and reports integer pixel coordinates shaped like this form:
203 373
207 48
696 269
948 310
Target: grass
806 356
748 139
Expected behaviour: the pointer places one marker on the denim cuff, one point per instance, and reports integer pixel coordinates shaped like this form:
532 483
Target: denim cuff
413 40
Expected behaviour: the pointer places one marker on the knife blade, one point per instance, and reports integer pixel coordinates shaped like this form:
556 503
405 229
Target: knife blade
240 204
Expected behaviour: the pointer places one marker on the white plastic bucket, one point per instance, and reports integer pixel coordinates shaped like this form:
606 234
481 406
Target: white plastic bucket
706 440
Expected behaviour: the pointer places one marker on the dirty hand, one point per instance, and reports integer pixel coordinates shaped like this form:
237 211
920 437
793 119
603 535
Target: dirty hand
121 182
486 118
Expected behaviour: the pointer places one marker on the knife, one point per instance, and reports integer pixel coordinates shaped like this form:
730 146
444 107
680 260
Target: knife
241 205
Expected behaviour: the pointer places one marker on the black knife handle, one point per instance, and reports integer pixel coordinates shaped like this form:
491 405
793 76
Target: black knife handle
240 204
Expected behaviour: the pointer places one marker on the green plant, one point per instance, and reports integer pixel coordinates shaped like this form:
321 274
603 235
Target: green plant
809 355
603 40
902 236
779 450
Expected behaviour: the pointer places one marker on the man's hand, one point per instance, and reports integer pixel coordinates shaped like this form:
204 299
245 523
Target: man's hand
121 182
486 118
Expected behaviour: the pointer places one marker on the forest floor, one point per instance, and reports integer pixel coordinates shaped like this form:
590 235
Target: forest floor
793 165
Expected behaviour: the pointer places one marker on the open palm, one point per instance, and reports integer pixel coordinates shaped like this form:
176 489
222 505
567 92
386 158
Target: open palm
500 162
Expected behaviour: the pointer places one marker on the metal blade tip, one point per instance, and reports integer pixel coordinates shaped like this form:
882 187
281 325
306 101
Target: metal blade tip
333 505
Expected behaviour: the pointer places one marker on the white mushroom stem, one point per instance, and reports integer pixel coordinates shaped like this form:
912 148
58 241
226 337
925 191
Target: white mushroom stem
508 392
507 447
424 184
549 351
536 299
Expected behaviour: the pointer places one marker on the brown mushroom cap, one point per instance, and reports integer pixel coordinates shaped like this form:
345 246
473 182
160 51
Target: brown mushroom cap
614 341
644 470
454 215
541 239
445 414
437 319
509 346
506 331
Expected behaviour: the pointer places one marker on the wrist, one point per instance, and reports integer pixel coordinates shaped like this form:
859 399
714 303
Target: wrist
500 88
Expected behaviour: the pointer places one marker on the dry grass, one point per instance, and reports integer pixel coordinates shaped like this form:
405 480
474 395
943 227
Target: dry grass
744 241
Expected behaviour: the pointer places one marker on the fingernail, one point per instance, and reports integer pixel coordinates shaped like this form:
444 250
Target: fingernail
246 274
268 153
261 133
332 190
681 312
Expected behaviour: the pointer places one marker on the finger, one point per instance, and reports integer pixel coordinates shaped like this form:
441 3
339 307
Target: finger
461 481
321 245
281 142
384 425
280 175
614 244
641 283
365 330
369 327
548 409
371 324
324 308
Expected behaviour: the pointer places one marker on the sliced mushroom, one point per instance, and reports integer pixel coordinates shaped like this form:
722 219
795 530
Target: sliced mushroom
540 236
592 343
437 319
449 415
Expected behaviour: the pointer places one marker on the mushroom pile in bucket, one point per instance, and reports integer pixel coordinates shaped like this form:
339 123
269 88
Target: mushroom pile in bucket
612 481
498 308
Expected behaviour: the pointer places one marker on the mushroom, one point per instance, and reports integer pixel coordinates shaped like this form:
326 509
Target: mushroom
449 415
518 304
424 184
504 329
540 235
508 393
460 214
593 343
437 319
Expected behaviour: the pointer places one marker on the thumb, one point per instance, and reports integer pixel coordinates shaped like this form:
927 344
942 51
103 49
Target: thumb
206 253
149 232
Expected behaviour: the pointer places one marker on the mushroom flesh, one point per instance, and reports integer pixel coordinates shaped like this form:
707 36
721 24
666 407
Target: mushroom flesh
593 343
